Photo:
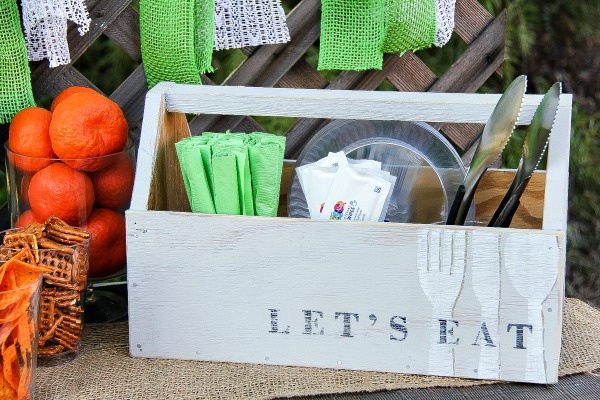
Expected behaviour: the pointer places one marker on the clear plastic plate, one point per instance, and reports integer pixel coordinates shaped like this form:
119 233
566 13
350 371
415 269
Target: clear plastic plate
428 168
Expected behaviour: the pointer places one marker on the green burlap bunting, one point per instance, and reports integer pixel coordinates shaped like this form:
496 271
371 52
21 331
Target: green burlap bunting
352 34
177 39
410 25
355 34
15 81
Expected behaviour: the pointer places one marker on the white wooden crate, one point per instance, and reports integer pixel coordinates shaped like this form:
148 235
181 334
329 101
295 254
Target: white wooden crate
470 302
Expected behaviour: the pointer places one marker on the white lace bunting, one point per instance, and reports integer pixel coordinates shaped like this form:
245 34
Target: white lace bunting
444 21
242 23
45 28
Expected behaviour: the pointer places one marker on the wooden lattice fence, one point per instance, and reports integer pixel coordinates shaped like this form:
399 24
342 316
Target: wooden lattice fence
285 65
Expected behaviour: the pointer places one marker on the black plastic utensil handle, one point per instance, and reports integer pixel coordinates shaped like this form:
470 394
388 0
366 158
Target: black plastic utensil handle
502 205
453 213
509 210
510 215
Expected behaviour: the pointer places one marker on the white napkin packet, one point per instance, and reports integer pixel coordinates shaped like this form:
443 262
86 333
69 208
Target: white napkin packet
343 189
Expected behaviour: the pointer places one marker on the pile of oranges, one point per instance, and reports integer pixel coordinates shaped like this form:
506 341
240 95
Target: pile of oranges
73 165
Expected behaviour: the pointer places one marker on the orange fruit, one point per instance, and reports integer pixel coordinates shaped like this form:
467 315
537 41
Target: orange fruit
68 92
87 126
27 218
29 139
113 184
25 181
62 191
107 249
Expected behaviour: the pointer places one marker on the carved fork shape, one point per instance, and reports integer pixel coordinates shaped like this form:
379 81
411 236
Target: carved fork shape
441 265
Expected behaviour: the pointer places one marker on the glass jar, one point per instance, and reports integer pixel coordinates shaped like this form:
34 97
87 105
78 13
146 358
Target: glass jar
62 297
19 309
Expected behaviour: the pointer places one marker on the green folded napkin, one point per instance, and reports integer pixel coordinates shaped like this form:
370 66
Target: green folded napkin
234 138
266 164
226 194
232 181
244 180
196 177
409 25
203 143
352 34
239 173
15 81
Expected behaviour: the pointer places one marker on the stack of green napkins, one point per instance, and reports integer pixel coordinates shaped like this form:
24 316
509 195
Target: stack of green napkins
232 173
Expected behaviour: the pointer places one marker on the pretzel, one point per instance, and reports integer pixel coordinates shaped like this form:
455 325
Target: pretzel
66 254
49 291
49 350
46 318
69 319
50 244
65 235
67 300
49 333
19 239
72 327
34 228
7 253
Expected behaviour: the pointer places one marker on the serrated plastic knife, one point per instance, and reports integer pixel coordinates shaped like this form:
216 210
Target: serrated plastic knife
534 148
495 135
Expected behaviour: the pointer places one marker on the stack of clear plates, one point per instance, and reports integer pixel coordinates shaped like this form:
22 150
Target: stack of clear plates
427 167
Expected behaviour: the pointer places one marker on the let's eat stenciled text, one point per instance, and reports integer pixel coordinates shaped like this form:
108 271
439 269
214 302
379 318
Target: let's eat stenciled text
343 324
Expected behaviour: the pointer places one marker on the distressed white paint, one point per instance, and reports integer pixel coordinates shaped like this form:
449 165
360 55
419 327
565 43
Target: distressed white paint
343 104
207 295
557 178
520 267
201 286
154 112
484 262
440 264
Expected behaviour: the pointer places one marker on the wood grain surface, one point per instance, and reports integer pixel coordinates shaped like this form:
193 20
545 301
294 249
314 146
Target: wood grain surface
285 65
364 296
491 189
339 295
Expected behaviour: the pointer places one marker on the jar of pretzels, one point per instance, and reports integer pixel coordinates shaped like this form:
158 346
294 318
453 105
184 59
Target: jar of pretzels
64 250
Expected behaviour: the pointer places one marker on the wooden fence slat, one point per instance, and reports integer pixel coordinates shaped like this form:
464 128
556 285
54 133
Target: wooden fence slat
411 74
103 13
478 62
283 61
282 65
302 76
125 32
299 134
130 96
470 19
302 21
54 80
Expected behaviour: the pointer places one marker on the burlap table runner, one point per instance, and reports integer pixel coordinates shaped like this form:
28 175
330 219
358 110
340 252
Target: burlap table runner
105 370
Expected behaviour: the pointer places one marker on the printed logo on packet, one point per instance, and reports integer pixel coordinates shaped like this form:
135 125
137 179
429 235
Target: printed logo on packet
338 210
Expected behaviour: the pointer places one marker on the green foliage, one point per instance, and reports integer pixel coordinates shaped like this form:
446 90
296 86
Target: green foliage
585 172
583 253
105 64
